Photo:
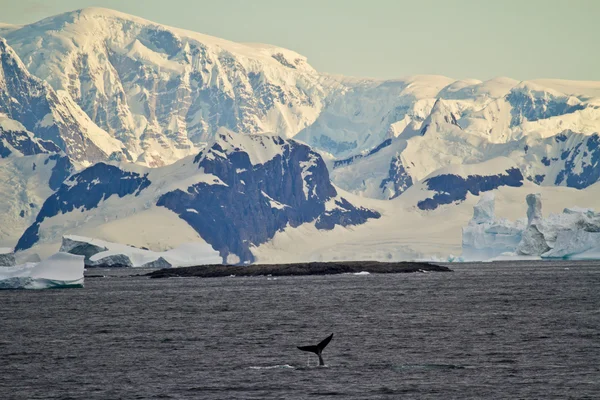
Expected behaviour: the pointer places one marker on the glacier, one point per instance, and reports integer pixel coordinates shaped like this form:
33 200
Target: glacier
572 234
60 270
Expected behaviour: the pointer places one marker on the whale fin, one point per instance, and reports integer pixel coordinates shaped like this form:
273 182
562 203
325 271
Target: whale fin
312 349
325 342
318 349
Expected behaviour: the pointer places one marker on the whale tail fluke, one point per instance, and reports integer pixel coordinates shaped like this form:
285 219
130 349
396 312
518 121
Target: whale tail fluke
318 349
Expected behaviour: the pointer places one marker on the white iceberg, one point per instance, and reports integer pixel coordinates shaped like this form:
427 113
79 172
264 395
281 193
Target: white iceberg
100 253
486 236
572 234
60 270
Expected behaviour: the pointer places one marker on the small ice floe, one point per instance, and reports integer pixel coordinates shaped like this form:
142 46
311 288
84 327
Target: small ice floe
283 366
362 273
60 270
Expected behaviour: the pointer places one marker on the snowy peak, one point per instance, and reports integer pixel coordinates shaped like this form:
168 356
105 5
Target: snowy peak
480 91
47 114
164 92
531 102
443 114
259 148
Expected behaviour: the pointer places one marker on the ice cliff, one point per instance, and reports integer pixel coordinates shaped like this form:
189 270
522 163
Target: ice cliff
572 234
58 271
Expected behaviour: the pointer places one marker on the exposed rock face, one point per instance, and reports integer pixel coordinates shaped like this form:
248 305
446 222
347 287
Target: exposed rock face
35 105
398 179
237 193
257 200
101 181
451 188
16 141
581 158
344 214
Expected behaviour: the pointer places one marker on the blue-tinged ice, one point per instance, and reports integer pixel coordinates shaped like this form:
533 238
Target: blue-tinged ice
60 270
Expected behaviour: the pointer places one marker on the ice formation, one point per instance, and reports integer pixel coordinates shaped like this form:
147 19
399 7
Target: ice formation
572 234
7 257
60 270
99 253
487 236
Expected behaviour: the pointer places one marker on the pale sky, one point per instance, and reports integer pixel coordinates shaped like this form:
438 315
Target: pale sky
521 39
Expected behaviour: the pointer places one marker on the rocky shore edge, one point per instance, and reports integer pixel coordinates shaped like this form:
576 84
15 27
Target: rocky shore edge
296 269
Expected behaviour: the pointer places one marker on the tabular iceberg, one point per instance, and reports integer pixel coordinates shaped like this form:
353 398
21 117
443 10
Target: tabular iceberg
60 270
572 234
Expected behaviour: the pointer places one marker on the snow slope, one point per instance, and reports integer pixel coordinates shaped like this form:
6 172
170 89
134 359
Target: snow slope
404 232
236 193
25 183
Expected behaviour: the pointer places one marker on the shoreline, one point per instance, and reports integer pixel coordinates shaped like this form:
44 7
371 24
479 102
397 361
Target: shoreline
298 269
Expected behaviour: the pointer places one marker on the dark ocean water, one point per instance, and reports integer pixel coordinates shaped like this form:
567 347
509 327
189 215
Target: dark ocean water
527 330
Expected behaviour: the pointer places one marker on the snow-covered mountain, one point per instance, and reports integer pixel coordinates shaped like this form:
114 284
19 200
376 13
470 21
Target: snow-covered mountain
235 195
163 92
455 134
50 115
200 126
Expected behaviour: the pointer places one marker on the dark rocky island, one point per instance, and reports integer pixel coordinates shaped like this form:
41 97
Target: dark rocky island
313 268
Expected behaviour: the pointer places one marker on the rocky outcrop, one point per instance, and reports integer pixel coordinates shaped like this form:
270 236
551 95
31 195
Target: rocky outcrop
236 194
451 188
298 269
16 141
257 200
85 190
